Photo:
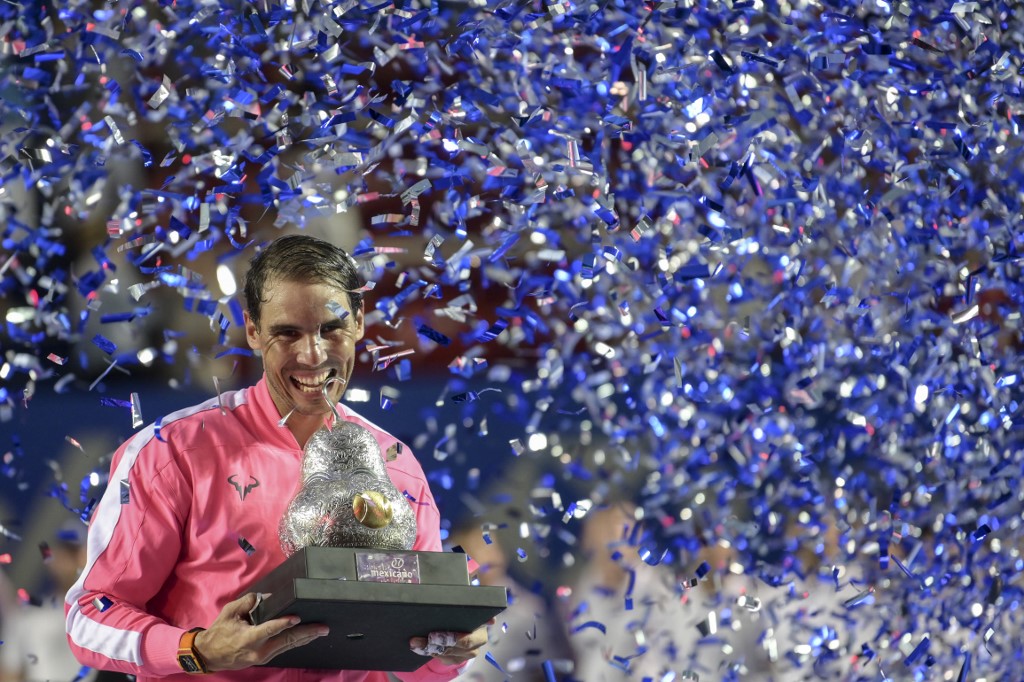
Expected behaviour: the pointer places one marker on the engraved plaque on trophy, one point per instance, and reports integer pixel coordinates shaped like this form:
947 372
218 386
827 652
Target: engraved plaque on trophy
348 535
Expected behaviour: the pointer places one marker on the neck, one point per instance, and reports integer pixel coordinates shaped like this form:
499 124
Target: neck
303 426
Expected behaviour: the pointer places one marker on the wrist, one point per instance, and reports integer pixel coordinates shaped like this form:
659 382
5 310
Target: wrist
202 646
190 659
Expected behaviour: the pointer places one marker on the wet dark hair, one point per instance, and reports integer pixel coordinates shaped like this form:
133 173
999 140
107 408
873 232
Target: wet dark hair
300 258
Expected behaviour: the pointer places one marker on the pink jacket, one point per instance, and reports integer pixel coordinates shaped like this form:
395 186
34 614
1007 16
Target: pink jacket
189 520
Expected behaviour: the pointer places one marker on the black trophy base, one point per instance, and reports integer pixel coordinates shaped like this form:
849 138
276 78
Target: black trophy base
374 601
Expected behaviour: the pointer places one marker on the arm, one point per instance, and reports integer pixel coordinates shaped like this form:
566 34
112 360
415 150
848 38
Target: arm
135 541
132 548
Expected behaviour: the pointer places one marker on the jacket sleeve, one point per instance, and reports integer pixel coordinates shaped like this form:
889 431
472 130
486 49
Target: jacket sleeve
135 537
428 539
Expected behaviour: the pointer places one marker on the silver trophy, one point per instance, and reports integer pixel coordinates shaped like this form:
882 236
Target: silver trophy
348 534
346 498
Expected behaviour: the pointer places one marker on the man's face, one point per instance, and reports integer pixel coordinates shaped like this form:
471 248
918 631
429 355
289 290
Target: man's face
304 343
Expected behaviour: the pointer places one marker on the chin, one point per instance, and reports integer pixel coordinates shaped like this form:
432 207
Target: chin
312 401
317 402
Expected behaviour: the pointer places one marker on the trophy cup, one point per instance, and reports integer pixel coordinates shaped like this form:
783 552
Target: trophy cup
346 499
348 535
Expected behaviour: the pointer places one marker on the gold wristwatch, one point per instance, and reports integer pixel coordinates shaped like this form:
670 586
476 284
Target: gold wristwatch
188 658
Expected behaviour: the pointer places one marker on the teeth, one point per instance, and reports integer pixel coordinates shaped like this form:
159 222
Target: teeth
313 384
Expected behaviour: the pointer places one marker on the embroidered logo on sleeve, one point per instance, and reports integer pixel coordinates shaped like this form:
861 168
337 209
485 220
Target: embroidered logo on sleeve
243 492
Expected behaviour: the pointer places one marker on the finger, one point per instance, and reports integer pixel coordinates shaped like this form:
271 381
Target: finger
294 638
475 639
462 641
478 637
471 643
427 646
456 658
463 648
241 606
441 642
275 627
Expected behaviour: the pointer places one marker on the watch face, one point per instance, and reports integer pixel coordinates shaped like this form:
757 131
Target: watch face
189 664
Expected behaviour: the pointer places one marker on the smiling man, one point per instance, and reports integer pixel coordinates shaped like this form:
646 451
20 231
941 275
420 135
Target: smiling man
190 517
304 317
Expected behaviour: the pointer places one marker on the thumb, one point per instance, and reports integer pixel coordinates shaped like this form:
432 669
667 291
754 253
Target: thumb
241 606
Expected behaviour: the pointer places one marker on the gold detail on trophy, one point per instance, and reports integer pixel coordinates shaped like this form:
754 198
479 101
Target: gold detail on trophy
372 509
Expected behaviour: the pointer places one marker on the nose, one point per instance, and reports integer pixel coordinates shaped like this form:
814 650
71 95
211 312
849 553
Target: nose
311 351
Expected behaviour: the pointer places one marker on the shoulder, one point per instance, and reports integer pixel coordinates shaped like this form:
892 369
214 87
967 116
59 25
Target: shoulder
384 438
186 427
398 457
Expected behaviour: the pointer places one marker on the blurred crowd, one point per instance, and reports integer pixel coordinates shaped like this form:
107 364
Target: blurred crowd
621 618
32 626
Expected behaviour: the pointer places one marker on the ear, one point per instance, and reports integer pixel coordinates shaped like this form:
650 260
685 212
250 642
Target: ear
360 328
251 333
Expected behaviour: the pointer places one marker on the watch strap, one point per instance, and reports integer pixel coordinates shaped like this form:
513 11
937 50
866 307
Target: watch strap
188 658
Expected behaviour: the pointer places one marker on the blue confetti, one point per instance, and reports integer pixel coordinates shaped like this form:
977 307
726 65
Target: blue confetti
434 335
246 547
590 624
918 651
489 657
104 344
810 321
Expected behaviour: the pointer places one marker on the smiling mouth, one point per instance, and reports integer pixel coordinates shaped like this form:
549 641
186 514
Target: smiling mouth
313 384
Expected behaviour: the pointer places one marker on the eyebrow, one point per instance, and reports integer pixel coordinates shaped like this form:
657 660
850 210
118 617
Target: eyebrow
342 322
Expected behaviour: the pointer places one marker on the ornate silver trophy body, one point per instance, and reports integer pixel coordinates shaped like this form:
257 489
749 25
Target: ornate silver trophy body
346 498
348 534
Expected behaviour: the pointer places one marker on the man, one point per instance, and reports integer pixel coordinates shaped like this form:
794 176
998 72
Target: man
191 513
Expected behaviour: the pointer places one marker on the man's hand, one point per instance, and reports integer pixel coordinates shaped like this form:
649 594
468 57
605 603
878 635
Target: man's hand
232 643
451 648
